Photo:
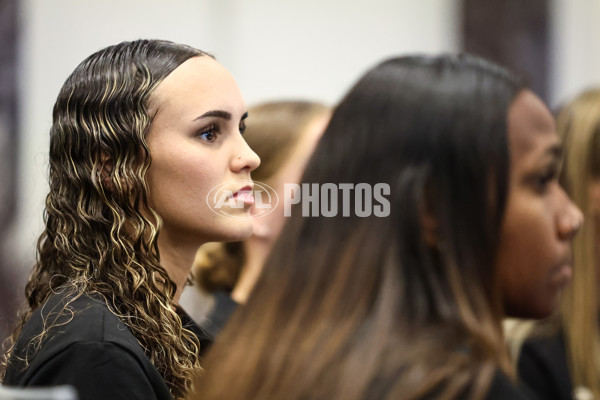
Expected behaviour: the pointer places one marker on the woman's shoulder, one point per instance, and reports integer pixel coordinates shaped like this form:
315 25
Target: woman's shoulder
546 351
543 365
65 321
503 388
545 342
69 318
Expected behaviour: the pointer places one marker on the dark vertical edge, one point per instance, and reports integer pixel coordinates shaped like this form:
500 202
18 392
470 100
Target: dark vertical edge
10 279
513 33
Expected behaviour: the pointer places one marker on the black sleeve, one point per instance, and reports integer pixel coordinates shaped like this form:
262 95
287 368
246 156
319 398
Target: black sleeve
98 371
503 388
534 374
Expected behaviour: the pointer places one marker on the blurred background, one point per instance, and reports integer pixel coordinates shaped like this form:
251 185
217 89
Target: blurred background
275 49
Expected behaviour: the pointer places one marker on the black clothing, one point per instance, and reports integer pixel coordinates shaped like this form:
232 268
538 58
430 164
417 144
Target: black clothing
90 349
204 337
543 367
219 315
503 389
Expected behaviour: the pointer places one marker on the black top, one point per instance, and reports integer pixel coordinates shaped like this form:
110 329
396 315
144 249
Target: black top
503 388
90 349
543 367
204 337
219 315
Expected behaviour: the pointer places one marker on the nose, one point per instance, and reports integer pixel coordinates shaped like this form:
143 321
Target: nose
570 221
244 158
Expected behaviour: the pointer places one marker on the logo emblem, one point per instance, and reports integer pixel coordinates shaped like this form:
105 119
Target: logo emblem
228 200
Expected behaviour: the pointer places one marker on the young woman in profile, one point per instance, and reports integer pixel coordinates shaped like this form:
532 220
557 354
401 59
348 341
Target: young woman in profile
409 306
284 135
141 132
561 358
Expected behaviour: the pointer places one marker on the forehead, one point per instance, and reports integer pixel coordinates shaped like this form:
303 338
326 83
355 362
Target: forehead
530 125
198 85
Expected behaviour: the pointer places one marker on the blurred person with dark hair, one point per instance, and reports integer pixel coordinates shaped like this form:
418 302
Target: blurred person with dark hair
561 358
409 305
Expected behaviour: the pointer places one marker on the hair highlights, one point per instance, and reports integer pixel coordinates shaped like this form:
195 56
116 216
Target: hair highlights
100 235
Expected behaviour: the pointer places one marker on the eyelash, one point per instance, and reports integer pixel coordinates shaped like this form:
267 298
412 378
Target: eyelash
542 180
215 130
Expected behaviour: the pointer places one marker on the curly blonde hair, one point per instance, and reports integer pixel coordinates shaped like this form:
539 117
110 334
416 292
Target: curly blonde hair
100 234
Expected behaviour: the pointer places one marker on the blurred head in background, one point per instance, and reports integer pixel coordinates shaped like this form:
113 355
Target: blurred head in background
579 125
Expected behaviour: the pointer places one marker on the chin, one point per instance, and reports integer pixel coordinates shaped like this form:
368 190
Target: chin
532 310
236 231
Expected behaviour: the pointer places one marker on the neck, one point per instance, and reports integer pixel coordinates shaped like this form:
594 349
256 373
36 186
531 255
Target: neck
177 258
256 253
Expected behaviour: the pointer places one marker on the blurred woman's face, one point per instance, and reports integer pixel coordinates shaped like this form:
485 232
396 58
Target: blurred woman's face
196 145
534 255
269 226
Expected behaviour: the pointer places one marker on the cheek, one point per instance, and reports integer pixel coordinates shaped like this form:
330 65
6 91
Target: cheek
180 181
526 258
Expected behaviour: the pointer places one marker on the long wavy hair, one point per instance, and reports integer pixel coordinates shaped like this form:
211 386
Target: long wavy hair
100 234
363 307
578 123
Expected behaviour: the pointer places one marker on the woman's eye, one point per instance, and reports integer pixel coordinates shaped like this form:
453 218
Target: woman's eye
543 180
209 134
242 127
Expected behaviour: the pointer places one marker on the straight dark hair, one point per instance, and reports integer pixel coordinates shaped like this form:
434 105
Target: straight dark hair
365 308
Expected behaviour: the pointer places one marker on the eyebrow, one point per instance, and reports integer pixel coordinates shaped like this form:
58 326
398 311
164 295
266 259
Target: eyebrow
219 114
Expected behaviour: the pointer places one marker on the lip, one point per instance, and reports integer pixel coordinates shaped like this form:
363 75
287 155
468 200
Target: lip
563 275
245 195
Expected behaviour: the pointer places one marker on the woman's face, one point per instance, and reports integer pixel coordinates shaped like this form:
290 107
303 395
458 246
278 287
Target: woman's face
196 144
534 254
